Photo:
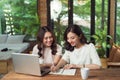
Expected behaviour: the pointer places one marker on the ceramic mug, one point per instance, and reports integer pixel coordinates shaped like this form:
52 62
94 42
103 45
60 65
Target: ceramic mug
84 73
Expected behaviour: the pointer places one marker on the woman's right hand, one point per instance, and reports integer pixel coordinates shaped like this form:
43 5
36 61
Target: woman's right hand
54 68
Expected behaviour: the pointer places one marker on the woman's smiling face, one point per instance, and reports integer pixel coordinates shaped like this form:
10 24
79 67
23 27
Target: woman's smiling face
48 39
73 39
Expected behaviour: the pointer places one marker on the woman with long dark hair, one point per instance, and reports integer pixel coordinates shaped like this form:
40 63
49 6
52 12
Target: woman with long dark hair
47 49
78 53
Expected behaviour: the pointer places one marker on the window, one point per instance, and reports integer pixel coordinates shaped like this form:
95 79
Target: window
82 15
90 14
59 18
118 22
19 17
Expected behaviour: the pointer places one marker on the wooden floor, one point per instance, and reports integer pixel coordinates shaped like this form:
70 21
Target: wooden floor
9 68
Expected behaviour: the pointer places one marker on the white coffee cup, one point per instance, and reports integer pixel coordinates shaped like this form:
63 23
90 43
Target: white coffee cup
84 73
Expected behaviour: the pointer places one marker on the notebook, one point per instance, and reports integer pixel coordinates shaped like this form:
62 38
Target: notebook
28 64
64 72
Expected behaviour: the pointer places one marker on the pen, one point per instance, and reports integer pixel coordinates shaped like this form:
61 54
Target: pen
62 71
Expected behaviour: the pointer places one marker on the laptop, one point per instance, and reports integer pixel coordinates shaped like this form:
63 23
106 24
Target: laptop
28 64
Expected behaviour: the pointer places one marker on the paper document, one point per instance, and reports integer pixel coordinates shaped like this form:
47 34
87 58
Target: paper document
64 72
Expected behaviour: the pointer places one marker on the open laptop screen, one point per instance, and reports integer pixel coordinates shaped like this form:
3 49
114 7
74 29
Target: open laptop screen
26 63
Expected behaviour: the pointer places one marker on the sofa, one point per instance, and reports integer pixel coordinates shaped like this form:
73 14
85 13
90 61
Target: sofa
13 43
114 57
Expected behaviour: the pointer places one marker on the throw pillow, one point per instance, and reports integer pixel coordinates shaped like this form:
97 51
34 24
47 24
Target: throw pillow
15 39
112 52
3 38
116 57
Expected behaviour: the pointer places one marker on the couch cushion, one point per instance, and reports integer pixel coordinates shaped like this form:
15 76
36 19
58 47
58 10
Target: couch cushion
15 39
3 38
112 52
6 55
116 57
15 47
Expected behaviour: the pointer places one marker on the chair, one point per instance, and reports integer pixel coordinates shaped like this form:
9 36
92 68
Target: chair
114 57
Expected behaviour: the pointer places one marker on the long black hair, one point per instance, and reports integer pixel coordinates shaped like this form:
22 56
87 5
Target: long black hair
40 37
77 30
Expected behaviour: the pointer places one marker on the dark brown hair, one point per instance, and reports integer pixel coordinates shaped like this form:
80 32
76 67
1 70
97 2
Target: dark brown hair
40 37
77 30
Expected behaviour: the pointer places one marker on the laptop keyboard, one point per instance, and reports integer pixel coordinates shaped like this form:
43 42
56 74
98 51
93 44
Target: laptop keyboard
45 71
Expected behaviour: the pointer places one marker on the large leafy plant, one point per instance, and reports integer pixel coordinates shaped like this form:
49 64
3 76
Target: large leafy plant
101 41
23 17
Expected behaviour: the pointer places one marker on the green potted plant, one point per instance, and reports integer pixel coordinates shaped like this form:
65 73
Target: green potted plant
30 28
101 44
101 41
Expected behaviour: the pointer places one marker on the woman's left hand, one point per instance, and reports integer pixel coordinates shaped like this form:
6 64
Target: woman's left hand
69 66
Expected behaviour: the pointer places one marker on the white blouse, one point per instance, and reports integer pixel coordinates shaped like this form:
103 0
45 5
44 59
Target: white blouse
86 54
48 57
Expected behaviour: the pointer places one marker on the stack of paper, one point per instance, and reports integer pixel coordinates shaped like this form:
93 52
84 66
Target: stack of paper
64 72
